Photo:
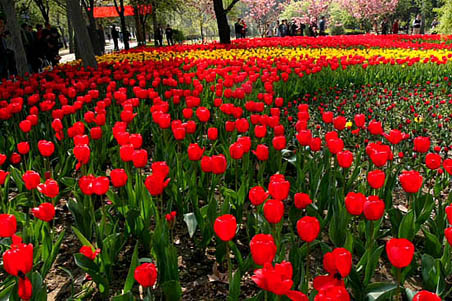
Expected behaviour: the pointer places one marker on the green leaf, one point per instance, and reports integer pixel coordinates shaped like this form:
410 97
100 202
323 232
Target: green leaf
372 262
130 275
432 245
50 259
380 290
190 220
234 287
407 228
172 290
82 238
124 297
7 290
92 269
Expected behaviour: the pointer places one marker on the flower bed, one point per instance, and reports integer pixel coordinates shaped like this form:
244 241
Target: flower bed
314 167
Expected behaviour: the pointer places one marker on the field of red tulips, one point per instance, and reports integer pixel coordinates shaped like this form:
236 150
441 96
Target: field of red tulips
271 169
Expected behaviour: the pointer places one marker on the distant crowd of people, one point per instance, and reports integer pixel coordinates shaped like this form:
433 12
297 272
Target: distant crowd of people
159 32
41 46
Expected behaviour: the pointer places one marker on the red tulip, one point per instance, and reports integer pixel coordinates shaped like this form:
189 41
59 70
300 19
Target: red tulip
3 175
146 274
277 280
279 189
345 158
195 152
82 153
327 117
394 137
31 179
4 157
400 252
376 178
46 148
273 211
242 125
219 164
360 120
279 142
449 213
212 134
118 177
338 261
263 248
304 137
136 140
156 183
257 195
49 188
336 293
25 126
45 212
236 151
260 131
86 184
308 228
89 252
100 185
140 158
411 181
339 123
15 158
335 145
126 152
316 144
302 200
354 203
373 208
261 152
18 260
25 288
426 296
160 168
225 227
8 225
23 148
375 127
421 144
448 234
433 161
447 164
203 114
206 164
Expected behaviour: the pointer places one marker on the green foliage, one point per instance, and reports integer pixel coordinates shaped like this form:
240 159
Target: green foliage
445 17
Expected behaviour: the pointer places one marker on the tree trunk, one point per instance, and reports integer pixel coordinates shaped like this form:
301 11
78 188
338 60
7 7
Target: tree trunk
154 20
70 31
222 21
81 33
13 26
44 11
140 36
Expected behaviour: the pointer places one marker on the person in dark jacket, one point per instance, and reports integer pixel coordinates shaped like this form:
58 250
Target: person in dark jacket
115 37
322 26
158 35
169 35
238 27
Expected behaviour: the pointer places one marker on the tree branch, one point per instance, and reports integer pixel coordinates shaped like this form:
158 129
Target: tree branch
229 8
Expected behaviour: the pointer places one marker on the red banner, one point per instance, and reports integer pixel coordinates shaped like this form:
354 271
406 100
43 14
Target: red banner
111 12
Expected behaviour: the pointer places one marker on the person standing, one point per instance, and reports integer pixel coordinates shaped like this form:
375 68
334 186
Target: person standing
384 26
238 28
283 28
244 29
169 35
435 24
115 37
395 27
277 29
158 36
322 26
417 25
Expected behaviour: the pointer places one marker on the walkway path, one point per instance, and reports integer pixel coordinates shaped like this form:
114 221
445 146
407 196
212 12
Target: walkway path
109 47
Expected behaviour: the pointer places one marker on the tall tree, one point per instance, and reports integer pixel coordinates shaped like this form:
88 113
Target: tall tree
13 26
81 33
224 31
125 33
205 12
88 6
265 12
44 8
